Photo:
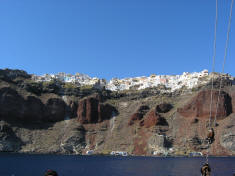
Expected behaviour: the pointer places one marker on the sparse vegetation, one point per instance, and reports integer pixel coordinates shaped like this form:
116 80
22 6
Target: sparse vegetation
32 86
70 86
86 87
194 89
53 86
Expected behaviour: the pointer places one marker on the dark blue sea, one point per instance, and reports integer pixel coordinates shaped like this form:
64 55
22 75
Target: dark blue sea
67 165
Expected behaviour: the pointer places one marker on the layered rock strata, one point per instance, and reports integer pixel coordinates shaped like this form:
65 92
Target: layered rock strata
56 117
199 106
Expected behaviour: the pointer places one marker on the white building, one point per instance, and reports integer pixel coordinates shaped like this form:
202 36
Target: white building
172 82
119 153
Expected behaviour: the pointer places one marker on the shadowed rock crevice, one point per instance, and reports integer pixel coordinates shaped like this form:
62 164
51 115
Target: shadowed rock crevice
91 110
139 114
153 119
163 108
148 118
168 142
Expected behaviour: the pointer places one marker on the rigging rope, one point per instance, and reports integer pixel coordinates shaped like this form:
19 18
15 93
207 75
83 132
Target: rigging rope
213 70
213 64
225 55
213 67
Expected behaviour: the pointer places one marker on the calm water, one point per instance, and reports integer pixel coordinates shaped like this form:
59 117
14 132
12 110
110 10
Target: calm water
35 165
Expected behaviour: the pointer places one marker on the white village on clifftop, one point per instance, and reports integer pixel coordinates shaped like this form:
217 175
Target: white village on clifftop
171 82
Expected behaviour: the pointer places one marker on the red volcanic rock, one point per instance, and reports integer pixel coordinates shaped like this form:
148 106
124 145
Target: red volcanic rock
139 114
199 106
90 110
154 119
81 112
151 119
163 108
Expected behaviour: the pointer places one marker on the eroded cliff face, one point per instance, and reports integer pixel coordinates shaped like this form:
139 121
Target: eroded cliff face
57 118
92 110
200 105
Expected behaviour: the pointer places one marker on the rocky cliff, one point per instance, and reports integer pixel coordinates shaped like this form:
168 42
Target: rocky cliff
58 117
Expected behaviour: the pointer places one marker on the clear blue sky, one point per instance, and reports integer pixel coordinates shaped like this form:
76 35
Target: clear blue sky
114 38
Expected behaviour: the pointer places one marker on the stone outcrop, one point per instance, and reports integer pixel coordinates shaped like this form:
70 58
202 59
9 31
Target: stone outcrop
91 110
139 114
199 106
14 106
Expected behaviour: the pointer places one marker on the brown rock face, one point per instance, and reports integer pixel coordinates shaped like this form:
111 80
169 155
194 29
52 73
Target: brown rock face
55 109
14 107
139 114
11 103
90 110
154 119
199 106
34 109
